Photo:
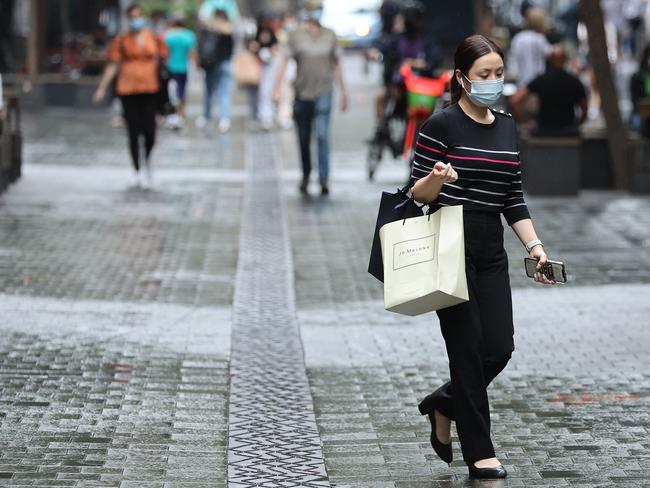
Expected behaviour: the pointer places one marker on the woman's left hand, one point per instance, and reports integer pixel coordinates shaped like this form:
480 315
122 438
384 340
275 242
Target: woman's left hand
539 254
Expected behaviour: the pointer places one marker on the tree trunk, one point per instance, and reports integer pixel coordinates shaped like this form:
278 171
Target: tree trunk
592 16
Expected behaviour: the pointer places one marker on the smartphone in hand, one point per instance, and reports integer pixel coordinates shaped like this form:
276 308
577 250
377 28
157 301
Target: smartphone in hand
553 270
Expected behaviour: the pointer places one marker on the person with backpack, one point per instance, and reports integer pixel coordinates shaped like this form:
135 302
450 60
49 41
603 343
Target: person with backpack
136 58
181 43
216 43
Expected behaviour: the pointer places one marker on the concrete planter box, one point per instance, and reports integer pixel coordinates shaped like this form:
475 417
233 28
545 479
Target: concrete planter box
640 167
60 93
595 162
10 144
551 166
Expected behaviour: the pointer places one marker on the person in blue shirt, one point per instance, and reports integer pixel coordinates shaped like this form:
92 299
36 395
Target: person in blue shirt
210 7
182 47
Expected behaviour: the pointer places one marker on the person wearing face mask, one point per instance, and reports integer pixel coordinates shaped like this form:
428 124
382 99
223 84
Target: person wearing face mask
135 59
467 154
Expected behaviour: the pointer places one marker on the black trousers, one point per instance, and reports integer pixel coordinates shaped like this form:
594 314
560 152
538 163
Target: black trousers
478 336
140 115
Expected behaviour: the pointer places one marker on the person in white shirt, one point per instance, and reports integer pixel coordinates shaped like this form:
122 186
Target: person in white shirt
530 47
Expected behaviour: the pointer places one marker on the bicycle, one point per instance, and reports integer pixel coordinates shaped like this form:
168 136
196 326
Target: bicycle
390 130
407 108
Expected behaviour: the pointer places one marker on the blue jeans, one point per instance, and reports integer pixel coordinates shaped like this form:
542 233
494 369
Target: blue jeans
219 79
308 113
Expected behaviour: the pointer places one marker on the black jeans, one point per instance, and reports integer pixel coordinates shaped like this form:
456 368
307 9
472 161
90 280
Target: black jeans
478 335
140 115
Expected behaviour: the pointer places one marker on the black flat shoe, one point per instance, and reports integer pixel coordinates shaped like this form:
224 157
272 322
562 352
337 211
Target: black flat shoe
444 451
487 473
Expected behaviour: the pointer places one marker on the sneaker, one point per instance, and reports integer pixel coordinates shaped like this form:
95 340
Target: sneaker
201 122
174 122
224 125
303 187
136 179
147 182
286 124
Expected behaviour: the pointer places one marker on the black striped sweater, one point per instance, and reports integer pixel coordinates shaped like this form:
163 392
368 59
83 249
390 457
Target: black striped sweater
485 156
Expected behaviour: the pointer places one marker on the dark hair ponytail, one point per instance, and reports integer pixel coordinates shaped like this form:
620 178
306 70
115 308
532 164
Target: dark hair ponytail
468 51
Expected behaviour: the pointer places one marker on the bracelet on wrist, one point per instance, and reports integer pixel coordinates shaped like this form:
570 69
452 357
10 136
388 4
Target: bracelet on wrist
531 244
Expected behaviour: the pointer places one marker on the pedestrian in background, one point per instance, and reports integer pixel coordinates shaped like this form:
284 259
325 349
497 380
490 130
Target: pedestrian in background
209 8
468 155
317 54
216 44
265 47
135 57
640 90
530 47
182 44
287 95
561 95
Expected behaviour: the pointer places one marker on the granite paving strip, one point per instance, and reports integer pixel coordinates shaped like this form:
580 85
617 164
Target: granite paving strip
273 440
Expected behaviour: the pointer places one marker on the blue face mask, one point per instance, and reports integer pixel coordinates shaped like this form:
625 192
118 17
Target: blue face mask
137 24
313 15
484 92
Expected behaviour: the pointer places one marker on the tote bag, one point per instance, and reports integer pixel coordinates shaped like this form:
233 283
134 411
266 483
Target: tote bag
248 70
392 207
424 262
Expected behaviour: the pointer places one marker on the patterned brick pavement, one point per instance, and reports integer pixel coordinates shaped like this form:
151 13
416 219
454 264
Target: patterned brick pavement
115 337
117 309
572 407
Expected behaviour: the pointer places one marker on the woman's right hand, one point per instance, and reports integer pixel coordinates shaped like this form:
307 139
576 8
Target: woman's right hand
99 95
444 172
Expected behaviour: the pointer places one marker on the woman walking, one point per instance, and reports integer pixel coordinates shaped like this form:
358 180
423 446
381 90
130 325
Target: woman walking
467 154
136 56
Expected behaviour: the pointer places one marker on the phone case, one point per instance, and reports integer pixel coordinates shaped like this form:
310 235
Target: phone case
555 270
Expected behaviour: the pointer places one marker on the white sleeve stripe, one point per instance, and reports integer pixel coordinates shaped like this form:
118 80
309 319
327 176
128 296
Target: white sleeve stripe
424 157
487 150
415 163
470 200
515 205
432 139
422 170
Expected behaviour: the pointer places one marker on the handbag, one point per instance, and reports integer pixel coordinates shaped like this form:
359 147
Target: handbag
392 207
424 262
248 70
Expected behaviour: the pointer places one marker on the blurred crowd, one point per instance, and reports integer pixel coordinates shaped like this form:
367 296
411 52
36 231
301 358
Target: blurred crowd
288 65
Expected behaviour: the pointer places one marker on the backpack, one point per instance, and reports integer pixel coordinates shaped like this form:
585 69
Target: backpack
209 55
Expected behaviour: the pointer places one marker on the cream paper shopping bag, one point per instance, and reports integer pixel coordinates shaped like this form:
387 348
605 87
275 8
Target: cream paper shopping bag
424 262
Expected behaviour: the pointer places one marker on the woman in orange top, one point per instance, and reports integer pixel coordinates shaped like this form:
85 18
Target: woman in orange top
136 56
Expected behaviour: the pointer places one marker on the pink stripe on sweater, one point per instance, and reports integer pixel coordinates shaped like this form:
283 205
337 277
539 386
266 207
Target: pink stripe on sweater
429 148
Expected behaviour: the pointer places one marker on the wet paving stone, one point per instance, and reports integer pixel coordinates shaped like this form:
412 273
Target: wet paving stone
115 337
570 410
